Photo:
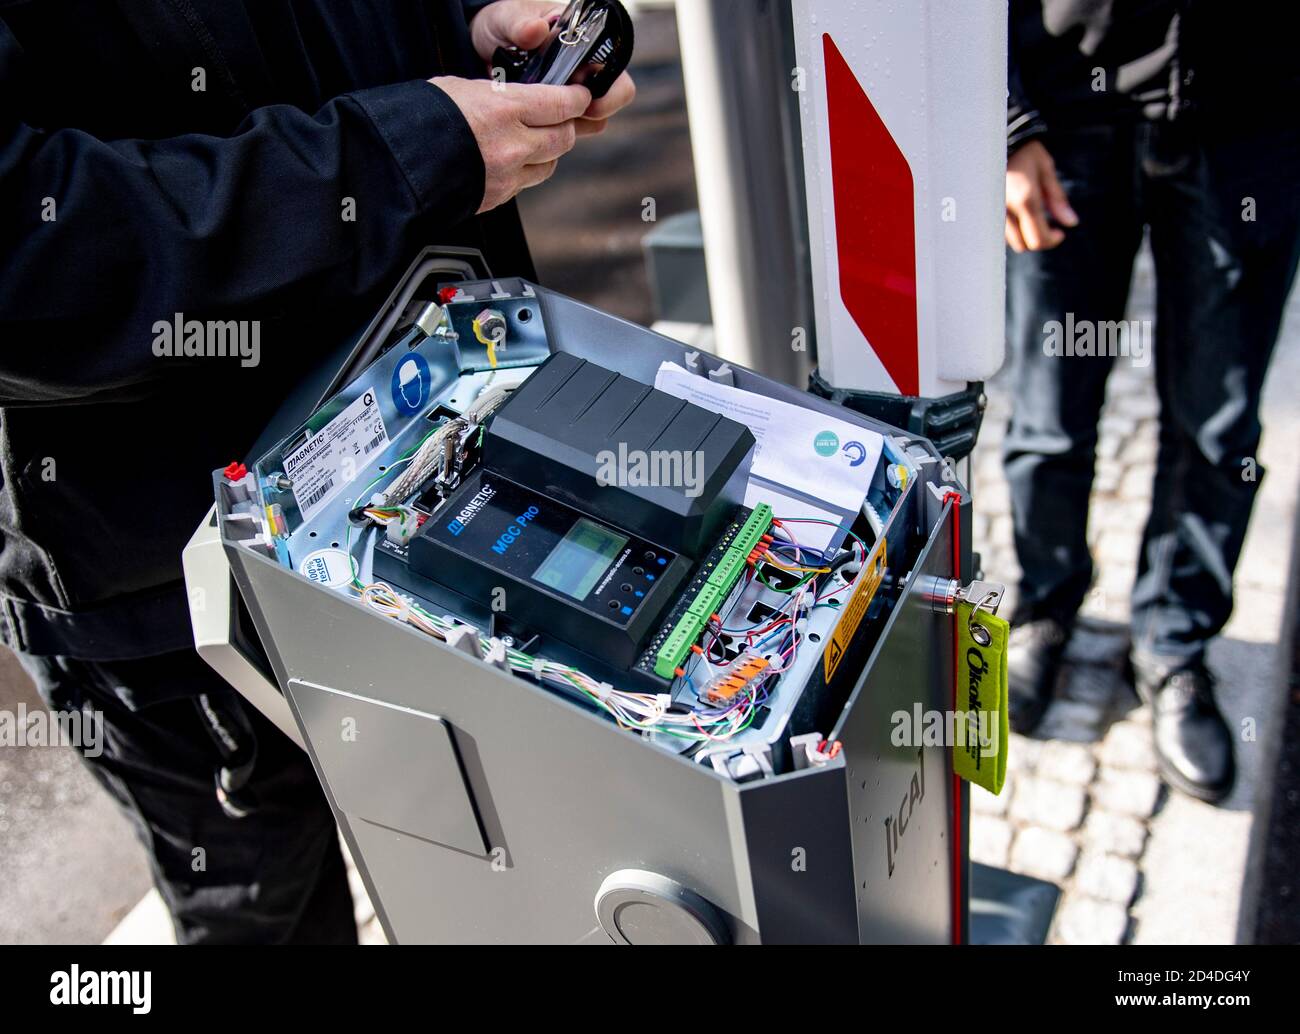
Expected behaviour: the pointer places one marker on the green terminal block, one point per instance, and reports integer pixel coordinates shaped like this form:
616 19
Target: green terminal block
707 602
728 569
678 645
720 582
753 530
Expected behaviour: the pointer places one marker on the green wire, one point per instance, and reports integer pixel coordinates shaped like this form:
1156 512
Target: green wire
807 578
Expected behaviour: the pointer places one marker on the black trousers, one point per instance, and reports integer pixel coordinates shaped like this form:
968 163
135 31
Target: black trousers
1225 236
273 876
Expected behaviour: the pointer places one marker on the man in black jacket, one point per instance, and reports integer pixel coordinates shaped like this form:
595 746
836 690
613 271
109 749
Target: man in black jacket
277 161
1129 116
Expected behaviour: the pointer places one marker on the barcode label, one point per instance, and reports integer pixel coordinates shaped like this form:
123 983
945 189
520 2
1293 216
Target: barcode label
319 494
332 458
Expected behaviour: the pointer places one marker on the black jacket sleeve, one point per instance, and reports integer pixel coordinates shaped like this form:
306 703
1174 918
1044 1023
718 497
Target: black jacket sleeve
1024 122
103 238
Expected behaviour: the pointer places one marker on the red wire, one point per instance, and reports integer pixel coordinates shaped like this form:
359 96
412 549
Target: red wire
954 497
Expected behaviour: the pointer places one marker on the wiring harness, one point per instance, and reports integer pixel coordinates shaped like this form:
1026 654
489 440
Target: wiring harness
729 694
436 455
780 635
646 712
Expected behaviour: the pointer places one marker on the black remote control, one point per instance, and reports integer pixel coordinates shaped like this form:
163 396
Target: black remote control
590 44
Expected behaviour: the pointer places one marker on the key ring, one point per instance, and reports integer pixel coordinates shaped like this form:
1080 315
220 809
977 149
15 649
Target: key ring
977 631
579 31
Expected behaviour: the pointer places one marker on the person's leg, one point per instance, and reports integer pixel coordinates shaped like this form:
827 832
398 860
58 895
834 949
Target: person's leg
1050 450
274 875
1222 288
1210 369
1254 178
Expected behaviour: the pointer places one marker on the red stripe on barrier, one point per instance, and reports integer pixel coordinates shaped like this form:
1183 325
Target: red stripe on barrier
875 223
957 861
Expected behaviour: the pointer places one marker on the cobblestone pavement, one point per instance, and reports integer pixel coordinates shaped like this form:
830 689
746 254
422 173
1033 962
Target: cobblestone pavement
1083 806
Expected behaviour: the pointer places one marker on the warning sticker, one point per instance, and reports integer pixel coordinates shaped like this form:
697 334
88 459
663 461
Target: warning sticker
321 467
847 626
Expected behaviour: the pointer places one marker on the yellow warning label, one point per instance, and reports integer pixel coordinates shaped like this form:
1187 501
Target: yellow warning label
847 626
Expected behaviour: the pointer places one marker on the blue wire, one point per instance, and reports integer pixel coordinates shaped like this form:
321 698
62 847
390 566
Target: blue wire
801 549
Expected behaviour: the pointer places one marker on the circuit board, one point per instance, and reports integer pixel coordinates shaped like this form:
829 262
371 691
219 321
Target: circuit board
707 592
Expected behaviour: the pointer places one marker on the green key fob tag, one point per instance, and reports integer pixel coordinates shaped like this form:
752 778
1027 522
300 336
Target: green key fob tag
980 746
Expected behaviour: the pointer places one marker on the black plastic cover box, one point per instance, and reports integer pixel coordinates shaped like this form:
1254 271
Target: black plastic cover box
638 458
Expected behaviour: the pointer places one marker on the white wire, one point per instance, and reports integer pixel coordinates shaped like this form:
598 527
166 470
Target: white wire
649 710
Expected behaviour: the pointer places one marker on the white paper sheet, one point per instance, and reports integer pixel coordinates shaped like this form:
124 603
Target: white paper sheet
820 456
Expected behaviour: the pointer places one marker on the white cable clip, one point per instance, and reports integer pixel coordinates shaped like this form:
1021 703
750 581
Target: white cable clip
496 654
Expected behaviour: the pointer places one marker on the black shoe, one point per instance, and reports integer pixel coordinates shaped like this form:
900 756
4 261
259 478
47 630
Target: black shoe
1193 744
1034 657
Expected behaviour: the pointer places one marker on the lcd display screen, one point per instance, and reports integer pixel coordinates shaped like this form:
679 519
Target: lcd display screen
577 562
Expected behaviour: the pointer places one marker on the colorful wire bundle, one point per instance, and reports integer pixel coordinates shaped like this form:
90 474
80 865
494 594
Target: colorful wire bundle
779 635
645 712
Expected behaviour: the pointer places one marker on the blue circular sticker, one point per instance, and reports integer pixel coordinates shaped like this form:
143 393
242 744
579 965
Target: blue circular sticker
411 384
856 452
827 443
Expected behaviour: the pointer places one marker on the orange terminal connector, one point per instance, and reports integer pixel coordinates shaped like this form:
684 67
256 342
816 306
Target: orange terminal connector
743 672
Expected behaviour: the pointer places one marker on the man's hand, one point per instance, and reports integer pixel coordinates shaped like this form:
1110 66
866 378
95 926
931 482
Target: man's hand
518 23
526 24
1034 193
522 130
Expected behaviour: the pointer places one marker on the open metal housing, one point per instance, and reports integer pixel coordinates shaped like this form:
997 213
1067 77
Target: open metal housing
480 806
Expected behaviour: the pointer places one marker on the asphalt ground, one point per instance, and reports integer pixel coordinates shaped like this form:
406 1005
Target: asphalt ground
70 867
